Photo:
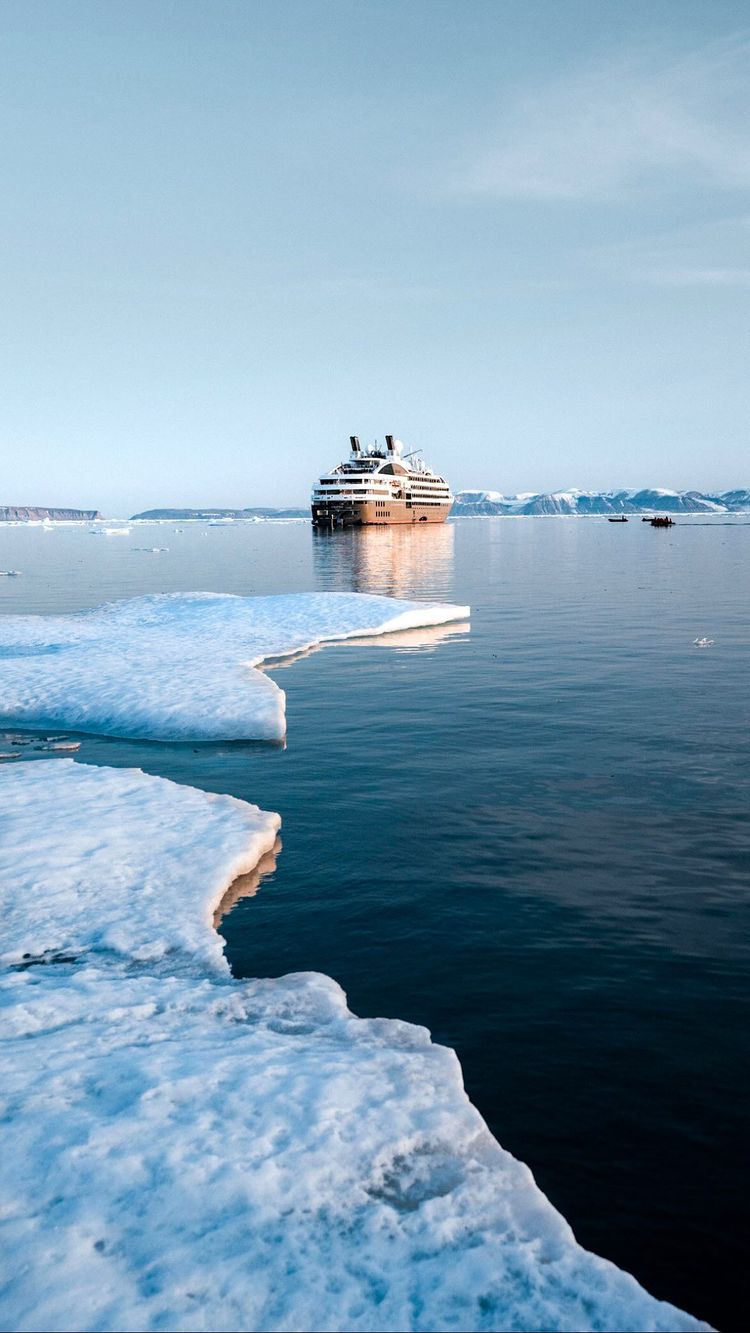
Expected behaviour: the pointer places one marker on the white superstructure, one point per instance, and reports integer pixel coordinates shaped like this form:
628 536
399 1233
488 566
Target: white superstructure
380 486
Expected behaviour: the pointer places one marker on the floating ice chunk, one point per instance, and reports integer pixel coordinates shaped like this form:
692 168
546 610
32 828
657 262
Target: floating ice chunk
191 1151
703 643
180 666
45 743
115 860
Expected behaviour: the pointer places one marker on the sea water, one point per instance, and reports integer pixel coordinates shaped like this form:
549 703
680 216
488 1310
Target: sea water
532 838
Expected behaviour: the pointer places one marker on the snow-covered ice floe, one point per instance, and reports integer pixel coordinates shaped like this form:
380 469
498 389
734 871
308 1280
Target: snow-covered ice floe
108 860
181 1150
181 666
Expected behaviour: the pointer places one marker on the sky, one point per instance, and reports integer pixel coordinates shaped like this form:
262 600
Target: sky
234 232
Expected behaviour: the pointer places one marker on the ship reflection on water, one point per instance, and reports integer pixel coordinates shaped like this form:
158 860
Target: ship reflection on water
398 561
414 563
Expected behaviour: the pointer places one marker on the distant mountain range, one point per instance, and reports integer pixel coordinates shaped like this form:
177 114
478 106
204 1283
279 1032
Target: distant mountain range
477 503
468 504
208 514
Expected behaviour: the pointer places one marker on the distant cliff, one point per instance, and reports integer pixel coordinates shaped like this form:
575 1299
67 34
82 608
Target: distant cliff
473 504
23 513
208 514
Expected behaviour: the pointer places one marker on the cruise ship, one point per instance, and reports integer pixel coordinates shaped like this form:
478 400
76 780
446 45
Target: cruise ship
380 486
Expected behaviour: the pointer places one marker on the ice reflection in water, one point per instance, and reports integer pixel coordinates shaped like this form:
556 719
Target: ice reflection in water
246 886
421 639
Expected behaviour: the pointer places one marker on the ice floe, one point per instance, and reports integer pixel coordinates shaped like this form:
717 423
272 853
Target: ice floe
182 1150
36 744
114 860
180 666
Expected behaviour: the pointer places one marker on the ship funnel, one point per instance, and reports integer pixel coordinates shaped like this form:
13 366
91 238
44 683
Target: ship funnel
354 441
389 444
395 447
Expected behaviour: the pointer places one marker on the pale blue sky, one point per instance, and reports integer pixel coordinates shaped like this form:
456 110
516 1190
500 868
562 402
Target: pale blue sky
232 233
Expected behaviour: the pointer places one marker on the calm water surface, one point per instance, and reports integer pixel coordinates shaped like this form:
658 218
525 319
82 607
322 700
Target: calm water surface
533 838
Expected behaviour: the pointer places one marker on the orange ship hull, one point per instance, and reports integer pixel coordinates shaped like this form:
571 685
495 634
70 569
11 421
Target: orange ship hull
365 513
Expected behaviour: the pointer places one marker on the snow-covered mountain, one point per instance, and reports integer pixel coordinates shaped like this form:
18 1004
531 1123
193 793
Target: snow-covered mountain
472 503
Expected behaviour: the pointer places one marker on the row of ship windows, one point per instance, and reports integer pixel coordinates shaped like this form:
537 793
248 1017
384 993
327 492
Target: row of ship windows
416 500
416 491
368 481
380 504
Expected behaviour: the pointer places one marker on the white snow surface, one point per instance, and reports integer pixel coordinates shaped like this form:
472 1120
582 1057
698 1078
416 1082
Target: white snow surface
180 666
126 863
181 1150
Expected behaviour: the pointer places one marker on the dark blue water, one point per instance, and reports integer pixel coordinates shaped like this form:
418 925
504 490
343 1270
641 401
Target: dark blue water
533 838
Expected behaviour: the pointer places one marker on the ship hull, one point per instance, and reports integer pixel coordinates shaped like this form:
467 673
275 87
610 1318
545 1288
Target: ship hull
371 513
